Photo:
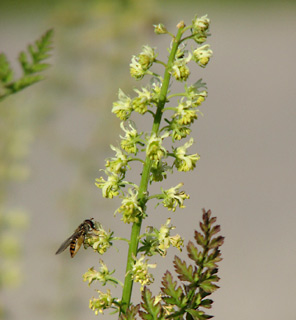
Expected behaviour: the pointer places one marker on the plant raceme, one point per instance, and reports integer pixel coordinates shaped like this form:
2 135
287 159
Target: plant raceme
172 117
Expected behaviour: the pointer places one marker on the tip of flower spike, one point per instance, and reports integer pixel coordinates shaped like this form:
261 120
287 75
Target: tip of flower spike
181 24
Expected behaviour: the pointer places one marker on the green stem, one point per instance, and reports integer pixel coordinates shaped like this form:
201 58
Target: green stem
142 194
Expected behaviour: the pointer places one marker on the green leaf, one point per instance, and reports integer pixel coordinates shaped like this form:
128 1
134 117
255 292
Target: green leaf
131 313
193 253
38 53
206 303
25 82
154 310
215 230
6 73
174 294
216 242
208 286
212 221
198 314
185 273
204 227
200 239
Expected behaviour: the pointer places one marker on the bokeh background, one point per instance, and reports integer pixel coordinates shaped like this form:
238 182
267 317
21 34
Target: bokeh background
56 134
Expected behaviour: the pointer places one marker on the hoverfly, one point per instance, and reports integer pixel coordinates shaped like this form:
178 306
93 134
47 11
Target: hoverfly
77 238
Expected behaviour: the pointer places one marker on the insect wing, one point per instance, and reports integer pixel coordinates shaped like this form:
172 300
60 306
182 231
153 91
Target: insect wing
75 245
65 244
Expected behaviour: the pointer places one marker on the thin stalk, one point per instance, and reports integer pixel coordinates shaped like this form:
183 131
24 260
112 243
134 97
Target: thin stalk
142 198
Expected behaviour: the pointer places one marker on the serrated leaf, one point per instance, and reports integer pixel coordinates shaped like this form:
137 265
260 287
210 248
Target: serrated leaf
153 311
130 313
206 303
185 273
199 84
212 259
203 227
212 221
200 239
6 73
193 253
215 230
208 286
39 67
25 82
206 215
216 242
174 294
210 264
24 62
198 314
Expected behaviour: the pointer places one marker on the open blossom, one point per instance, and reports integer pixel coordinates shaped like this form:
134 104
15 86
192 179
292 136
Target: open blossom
147 57
166 240
184 162
117 164
155 150
200 28
142 62
123 107
130 208
104 301
111 187
100 240
140 271
142 101
131 139
180 70
185 114
202 55
173 198
160 29
201 23
102 275
194 95
178 131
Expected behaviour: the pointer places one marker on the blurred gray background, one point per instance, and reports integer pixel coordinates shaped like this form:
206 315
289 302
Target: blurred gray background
246 140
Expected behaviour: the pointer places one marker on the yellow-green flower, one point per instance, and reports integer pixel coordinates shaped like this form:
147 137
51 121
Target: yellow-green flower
140 271
177 242
200 28
201 23
185 162
159 170
117 164
131 139
147 57
100 240
122 108
111 187
141 63
155 150
178 131
202 55
166 240
105 301
173 198
142 101
130 208
160 28
180 70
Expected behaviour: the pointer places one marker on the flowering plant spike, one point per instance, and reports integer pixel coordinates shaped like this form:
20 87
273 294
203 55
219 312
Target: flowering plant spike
171 115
